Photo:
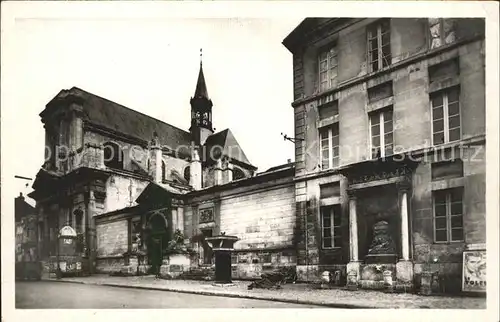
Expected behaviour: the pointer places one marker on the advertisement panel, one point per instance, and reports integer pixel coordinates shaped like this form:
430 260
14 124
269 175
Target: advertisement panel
474 271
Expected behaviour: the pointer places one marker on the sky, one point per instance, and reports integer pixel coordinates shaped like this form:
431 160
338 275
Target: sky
151 65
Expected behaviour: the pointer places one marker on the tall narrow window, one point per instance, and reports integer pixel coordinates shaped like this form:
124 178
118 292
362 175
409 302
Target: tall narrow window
330 226
448 215
441 32
163 171
381 132
379 45
328 68
445 116
329 146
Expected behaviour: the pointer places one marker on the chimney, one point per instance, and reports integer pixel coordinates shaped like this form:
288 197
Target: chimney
289 161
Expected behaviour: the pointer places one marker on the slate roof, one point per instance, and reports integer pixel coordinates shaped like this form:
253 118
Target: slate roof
110 115
224 143
201 86
280 167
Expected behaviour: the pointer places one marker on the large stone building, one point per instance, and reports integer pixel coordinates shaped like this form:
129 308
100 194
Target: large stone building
129 184
389 171
390 146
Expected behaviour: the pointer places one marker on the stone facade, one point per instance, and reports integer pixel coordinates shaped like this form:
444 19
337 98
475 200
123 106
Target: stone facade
388 179
416 71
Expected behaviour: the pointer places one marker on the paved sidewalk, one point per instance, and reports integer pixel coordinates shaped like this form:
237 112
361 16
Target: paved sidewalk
292 293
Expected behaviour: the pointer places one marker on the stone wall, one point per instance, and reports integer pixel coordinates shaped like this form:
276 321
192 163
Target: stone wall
449 255
122 191
112 238
260 219
260 212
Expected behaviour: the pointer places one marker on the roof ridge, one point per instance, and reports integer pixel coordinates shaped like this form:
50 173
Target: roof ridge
131 109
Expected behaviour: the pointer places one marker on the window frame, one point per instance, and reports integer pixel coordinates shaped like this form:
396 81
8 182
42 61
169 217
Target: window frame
330 81
446 115
448 216
380 56
333 225
331 158
382 133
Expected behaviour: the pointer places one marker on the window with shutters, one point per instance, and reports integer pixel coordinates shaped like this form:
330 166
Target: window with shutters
381 133
448 215
329 146
379 45
328 68
330 226
446 116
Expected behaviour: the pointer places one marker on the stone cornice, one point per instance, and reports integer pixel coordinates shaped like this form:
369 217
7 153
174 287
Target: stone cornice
476 140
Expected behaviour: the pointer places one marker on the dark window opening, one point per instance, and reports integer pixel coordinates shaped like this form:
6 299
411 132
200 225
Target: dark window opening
207 251
163 171
238 174
187 174
113 156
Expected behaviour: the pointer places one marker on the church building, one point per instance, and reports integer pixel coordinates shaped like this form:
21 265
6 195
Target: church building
129 184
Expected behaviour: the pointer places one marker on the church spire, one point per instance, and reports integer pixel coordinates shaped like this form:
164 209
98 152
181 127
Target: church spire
201 109
201 86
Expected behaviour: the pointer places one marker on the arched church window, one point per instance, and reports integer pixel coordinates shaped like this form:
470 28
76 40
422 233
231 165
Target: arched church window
187 174
238 174
113 155
163 171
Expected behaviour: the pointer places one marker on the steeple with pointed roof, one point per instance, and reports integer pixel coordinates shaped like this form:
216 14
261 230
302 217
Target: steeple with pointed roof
201 109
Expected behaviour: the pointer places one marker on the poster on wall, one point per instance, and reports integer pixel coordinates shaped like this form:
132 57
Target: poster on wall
474 271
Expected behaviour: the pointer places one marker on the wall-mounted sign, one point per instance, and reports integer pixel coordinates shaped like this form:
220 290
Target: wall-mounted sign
383 175
206 215
474 271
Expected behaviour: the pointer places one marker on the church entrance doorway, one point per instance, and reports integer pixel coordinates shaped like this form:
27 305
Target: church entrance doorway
157 241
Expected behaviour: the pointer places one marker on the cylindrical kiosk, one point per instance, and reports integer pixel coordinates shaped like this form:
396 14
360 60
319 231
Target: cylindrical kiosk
67 261
222 247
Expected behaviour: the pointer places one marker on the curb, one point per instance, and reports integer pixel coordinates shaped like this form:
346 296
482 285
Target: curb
208 293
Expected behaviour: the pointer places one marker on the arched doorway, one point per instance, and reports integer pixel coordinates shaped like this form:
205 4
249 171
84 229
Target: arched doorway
157 240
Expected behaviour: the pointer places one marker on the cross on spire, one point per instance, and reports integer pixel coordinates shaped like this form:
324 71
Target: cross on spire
201 56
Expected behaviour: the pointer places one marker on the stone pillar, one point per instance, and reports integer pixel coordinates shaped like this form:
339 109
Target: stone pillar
174 219
218 173
404 267
180 219
353 267
91 233
195 169
353 230
405 241
228 172
155 162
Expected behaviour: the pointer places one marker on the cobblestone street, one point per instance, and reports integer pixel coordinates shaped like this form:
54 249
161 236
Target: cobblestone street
292 293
